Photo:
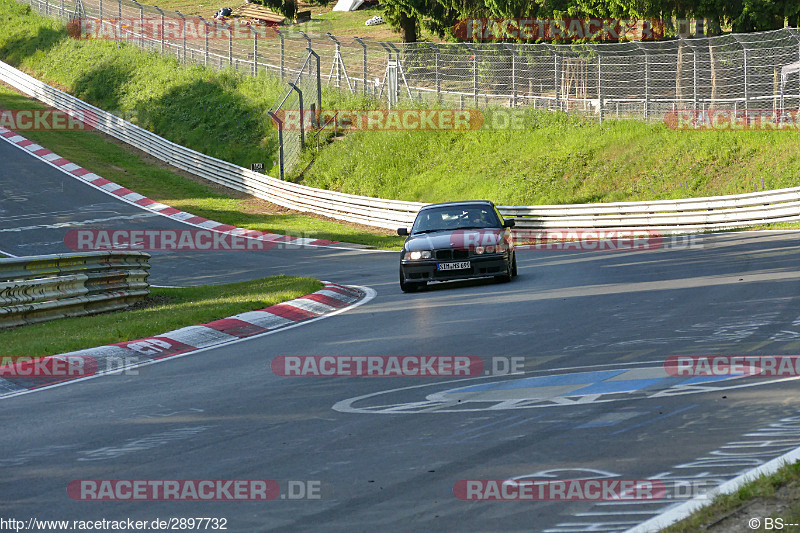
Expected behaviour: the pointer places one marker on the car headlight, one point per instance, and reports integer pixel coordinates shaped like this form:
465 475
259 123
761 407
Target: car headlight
490 249
417 255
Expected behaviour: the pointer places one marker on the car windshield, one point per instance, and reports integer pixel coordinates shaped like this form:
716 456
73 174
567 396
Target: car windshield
455 217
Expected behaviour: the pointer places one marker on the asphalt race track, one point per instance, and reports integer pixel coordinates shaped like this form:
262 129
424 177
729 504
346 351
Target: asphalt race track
591 331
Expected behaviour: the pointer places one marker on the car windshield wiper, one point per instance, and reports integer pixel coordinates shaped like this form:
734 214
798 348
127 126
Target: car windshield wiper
426 231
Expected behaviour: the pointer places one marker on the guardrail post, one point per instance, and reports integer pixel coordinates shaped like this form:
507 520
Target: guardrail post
280 141
101 15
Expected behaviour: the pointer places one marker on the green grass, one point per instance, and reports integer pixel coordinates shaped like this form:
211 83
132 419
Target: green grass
125 166
765 488
557 159
173 309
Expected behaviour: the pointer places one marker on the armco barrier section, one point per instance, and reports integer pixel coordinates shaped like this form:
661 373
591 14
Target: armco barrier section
668 216
46 287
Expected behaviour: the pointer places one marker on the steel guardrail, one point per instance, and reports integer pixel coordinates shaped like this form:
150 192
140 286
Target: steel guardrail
46 287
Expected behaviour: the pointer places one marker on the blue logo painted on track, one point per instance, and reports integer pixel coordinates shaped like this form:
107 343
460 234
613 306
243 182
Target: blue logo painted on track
554 389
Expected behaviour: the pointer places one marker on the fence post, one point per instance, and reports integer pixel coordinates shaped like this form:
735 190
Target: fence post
475 74
363 63
599 88
308 39
319 78
255 52
280 141
283 55
141 23
556 78
183 34
161 30
205 33
513 77
746 105
694 79
337 58
302 112
438 78
119 21
646 81
101 15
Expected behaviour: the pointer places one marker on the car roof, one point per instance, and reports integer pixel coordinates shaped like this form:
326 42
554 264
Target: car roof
466 203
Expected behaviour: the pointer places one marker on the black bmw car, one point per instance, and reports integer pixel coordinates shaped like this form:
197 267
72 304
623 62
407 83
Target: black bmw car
457 240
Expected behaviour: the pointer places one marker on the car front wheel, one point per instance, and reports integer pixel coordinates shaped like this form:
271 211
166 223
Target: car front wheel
409 286
510 271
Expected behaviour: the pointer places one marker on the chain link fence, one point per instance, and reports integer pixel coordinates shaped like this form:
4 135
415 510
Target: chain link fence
646 80
297 111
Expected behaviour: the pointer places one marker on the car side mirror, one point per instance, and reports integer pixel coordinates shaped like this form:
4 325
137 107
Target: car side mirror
509 223
402 231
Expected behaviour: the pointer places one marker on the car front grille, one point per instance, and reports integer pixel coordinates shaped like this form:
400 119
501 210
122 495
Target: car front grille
448 255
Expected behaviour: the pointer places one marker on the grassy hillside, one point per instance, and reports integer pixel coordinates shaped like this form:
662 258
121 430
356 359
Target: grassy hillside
558 159
554 158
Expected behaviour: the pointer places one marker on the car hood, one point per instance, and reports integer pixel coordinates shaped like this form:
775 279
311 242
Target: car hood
462 239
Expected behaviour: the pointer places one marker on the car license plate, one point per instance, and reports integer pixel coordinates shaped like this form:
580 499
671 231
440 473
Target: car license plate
453 266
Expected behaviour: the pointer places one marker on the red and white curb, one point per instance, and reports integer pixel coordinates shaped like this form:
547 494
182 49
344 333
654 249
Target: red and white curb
29 376
134 198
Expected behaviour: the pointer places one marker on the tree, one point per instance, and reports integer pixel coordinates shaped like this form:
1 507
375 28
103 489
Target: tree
408 16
